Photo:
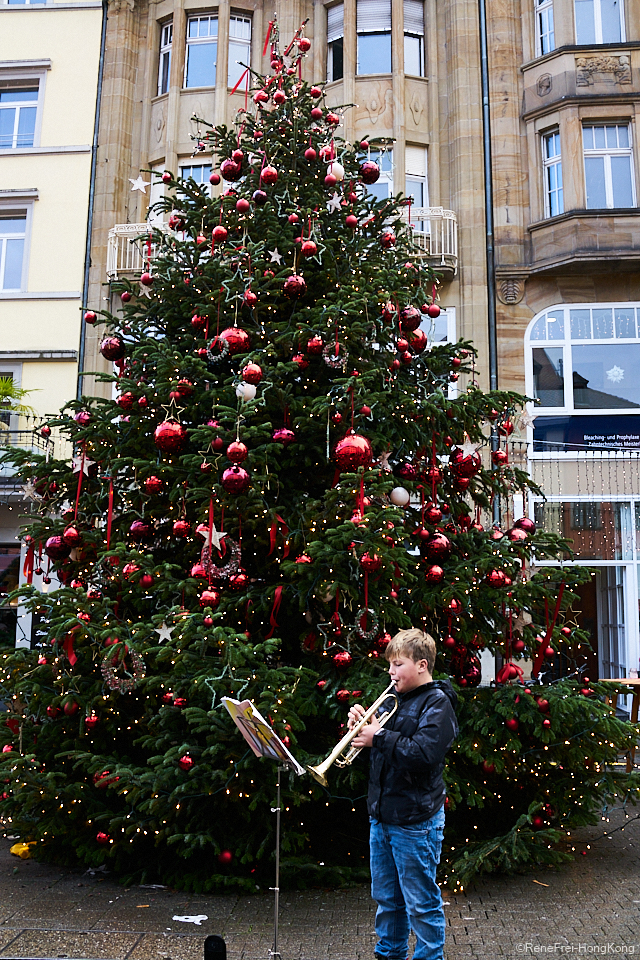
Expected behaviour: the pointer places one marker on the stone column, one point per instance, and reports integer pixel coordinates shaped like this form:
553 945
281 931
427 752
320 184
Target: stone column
222 111
398 88
350 59
176 82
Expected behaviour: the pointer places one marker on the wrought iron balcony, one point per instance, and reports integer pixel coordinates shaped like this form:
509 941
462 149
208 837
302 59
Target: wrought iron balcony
25 439
128 249
435 233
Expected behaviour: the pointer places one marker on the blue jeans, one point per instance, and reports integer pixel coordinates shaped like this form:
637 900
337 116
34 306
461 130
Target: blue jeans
403 883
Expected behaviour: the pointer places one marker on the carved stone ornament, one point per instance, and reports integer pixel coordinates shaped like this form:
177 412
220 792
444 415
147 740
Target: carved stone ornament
544 84
117 5
603 69
416 107
511 290
376 104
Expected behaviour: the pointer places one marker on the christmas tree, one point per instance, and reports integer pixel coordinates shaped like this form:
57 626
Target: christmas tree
284 479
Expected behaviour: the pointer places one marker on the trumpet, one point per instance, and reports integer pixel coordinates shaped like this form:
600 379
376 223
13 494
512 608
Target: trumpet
342 754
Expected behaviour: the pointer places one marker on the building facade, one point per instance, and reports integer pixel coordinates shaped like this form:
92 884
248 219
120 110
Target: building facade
49 66
564 83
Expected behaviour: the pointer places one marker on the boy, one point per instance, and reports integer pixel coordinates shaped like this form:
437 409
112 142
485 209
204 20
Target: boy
406 799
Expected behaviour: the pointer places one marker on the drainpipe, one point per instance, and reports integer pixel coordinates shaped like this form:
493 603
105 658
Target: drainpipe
92 194
488 211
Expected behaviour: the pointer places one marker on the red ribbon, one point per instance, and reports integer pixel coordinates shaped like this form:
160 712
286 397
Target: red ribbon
240 80
27 567
506 672
110 513
67 646
75 515
267 38
277 597
543 646
273 533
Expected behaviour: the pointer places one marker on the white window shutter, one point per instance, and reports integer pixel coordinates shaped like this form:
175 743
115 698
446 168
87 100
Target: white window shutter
414 17
374 16
335 22
416 161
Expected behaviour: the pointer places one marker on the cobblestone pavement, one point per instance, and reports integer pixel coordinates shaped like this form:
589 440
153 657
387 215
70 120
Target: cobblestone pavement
591 906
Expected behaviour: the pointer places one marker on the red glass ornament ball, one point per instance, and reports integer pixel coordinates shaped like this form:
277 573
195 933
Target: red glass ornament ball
330 180
170 437
250 298
566 632
90 317
146 581
294 286
488 767
315 92
207 621
310 154
511 724
240 581
70 708
406 471
112 348
237 451
293 218
284 436
125 296
369 172
315 345
153 484
304 44
243 205
518 646
237 339
506 428
516 535
209 598
220 233
495 578
225 856
499 457
433 311
388 240
437 548
186 763
465 466
56 548
126 400
235 479
549 653
309 248
351 221
526 524
269 175
91 722
301 361
102 838
140 530
433 513
230 170
410 318
52 712
72 536
252 373
454 607
279 97
353 451
45 431
316 113
181 528
370 562
342 659
146 279
197 570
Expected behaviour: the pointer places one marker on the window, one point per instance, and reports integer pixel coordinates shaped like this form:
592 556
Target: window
545 38
599 21
414 37
335 42
202 52
13 231
199 172
607 166
18 111
552 171
374 36
416 183
239 47
383 187
164 67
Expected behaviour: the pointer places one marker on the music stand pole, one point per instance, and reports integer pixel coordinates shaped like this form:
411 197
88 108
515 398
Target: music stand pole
275 952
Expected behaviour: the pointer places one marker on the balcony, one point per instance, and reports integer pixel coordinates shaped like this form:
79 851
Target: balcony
606 239
435 233
128 249
30 440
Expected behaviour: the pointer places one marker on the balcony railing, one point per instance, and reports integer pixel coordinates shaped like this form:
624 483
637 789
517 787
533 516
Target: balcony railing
435 233
25 439
128 249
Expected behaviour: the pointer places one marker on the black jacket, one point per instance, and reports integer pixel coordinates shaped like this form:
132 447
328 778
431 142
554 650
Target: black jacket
407 755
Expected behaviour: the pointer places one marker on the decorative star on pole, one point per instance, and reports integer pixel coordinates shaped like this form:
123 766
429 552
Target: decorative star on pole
139 184
164 632
81 463
276 256
526 420
216 535
334 203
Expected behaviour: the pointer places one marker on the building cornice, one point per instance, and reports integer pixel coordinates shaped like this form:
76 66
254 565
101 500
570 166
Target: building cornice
582 48
56 356
42 64
44 151
40 295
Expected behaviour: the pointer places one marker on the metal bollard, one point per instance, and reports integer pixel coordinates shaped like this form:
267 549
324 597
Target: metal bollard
215 948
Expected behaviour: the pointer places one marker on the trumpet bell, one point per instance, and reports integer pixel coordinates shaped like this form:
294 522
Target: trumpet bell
318 774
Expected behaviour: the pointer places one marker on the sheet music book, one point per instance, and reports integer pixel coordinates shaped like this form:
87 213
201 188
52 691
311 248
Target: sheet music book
259 735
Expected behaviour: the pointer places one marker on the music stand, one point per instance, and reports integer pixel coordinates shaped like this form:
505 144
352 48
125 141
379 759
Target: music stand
265 742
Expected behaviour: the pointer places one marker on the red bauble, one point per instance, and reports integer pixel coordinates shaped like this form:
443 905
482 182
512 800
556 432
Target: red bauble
495 578
269 175
387 240
146 581
518 646
301 361
225 856
102 837
250 298
130 569
56 549
437 548
197 570
125 296
472 672
369 172
566 632
140 530
235 479
516 535
170 437
240 581
433 310
524 523
465 467
294 287
153 484
488 767
370 562
237 451
208 621
72 536
511 724
454 607
181 528
186 763
315 345
209 598
543 705
45 431
252 373
418 340
537 822
284 436
343 696
90 317
70 708
243 205
450 643
351 221
353 451
52 712
406 471
342 659
499 457
330 180
434 574
126 400
549 653
505 428
230 170
433 513
309 248
238 340
310 154
259 197
316 113
91 722
334 120
112 348
220 233
146 279
315 92
410 319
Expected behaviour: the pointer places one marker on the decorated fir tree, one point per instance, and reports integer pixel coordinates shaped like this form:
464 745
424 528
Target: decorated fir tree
284 480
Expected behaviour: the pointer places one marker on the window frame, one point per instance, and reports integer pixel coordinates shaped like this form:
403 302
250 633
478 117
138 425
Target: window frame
166 50
412 34
607 153
330 45
597 25
198 41
375 31
24 74
549 163
245 16
543 7
20 207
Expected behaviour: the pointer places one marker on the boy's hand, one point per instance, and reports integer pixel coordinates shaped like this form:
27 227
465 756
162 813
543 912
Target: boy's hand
356 712
366 734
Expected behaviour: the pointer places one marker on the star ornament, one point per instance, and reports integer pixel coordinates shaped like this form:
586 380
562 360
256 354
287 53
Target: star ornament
164 632
82 463
139 184
468 449
216 535
334 203
144 290
276 256
29 492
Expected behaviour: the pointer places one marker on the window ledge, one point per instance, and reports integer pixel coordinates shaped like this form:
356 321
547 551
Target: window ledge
596 214
66 356
39 295
81 5
579 48
8 65
197 89
374 76
42 151
20 193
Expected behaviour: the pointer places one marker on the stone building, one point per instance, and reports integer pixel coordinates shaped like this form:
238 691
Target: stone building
564 85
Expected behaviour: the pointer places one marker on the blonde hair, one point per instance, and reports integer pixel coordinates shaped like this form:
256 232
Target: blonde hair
414 644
